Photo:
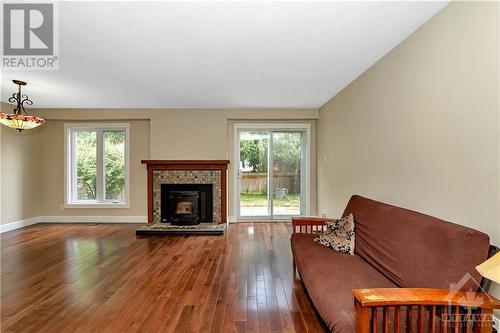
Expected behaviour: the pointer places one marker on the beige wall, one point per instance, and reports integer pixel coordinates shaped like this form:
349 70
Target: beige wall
183 133
52 168
420 128
19 174
155 134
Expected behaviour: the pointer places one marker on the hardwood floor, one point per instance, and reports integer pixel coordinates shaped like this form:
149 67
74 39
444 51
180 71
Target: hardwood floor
102 278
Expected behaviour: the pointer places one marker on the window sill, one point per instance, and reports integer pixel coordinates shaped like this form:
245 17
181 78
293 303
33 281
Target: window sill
97 205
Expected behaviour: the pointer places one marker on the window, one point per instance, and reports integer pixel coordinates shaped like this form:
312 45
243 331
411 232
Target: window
271 170
97 165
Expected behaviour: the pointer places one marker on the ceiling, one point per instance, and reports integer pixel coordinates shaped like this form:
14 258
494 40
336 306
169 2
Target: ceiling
215 54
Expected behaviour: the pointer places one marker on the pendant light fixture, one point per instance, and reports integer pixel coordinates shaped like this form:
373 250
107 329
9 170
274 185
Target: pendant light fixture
19 118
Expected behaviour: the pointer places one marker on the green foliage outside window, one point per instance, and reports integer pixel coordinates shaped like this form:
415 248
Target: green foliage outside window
114 164
286 152
254 154
86 165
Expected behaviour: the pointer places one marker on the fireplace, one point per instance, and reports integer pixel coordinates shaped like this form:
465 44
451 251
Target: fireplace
187 172
186 204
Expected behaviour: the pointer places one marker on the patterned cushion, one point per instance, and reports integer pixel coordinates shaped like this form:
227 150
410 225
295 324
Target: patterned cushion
339 235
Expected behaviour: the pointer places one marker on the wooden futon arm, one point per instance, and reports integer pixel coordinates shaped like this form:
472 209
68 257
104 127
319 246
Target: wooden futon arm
422 296
393 309
309 224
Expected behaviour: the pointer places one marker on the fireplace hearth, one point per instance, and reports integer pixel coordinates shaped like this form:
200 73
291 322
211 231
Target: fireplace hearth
186 204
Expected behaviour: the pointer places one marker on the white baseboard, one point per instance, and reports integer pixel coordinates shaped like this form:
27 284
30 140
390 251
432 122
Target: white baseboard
71 219
94 219
19 224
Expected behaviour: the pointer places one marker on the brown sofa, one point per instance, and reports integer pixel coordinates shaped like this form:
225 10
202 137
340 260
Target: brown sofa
395 248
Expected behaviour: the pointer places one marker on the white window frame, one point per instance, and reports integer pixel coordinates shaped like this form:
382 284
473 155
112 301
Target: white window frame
272 126
70 166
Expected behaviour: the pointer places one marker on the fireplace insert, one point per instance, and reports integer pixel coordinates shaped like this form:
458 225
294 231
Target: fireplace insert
186 204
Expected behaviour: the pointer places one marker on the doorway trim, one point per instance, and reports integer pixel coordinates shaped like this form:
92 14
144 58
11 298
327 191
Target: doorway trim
271 126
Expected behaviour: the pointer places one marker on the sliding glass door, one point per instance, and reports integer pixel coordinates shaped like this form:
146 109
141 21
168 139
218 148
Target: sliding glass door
271 175
286 180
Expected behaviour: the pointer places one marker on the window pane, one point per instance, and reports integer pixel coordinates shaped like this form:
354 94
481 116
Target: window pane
287 160
114 164
254 147
85 156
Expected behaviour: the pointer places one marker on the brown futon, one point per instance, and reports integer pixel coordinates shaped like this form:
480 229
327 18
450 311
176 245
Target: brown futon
395 248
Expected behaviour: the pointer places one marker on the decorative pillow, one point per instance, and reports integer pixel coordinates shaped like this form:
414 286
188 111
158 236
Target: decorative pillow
339 235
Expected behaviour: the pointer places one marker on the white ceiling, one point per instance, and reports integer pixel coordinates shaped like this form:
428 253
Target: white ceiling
216 54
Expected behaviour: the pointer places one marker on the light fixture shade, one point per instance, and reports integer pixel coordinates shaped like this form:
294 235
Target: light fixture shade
19 118
19 121
490 269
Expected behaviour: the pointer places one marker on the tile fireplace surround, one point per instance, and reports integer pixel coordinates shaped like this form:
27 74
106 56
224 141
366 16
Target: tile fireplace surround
187 172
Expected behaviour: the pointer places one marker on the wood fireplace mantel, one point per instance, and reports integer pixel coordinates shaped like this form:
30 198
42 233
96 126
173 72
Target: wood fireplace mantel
220 165
186 164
